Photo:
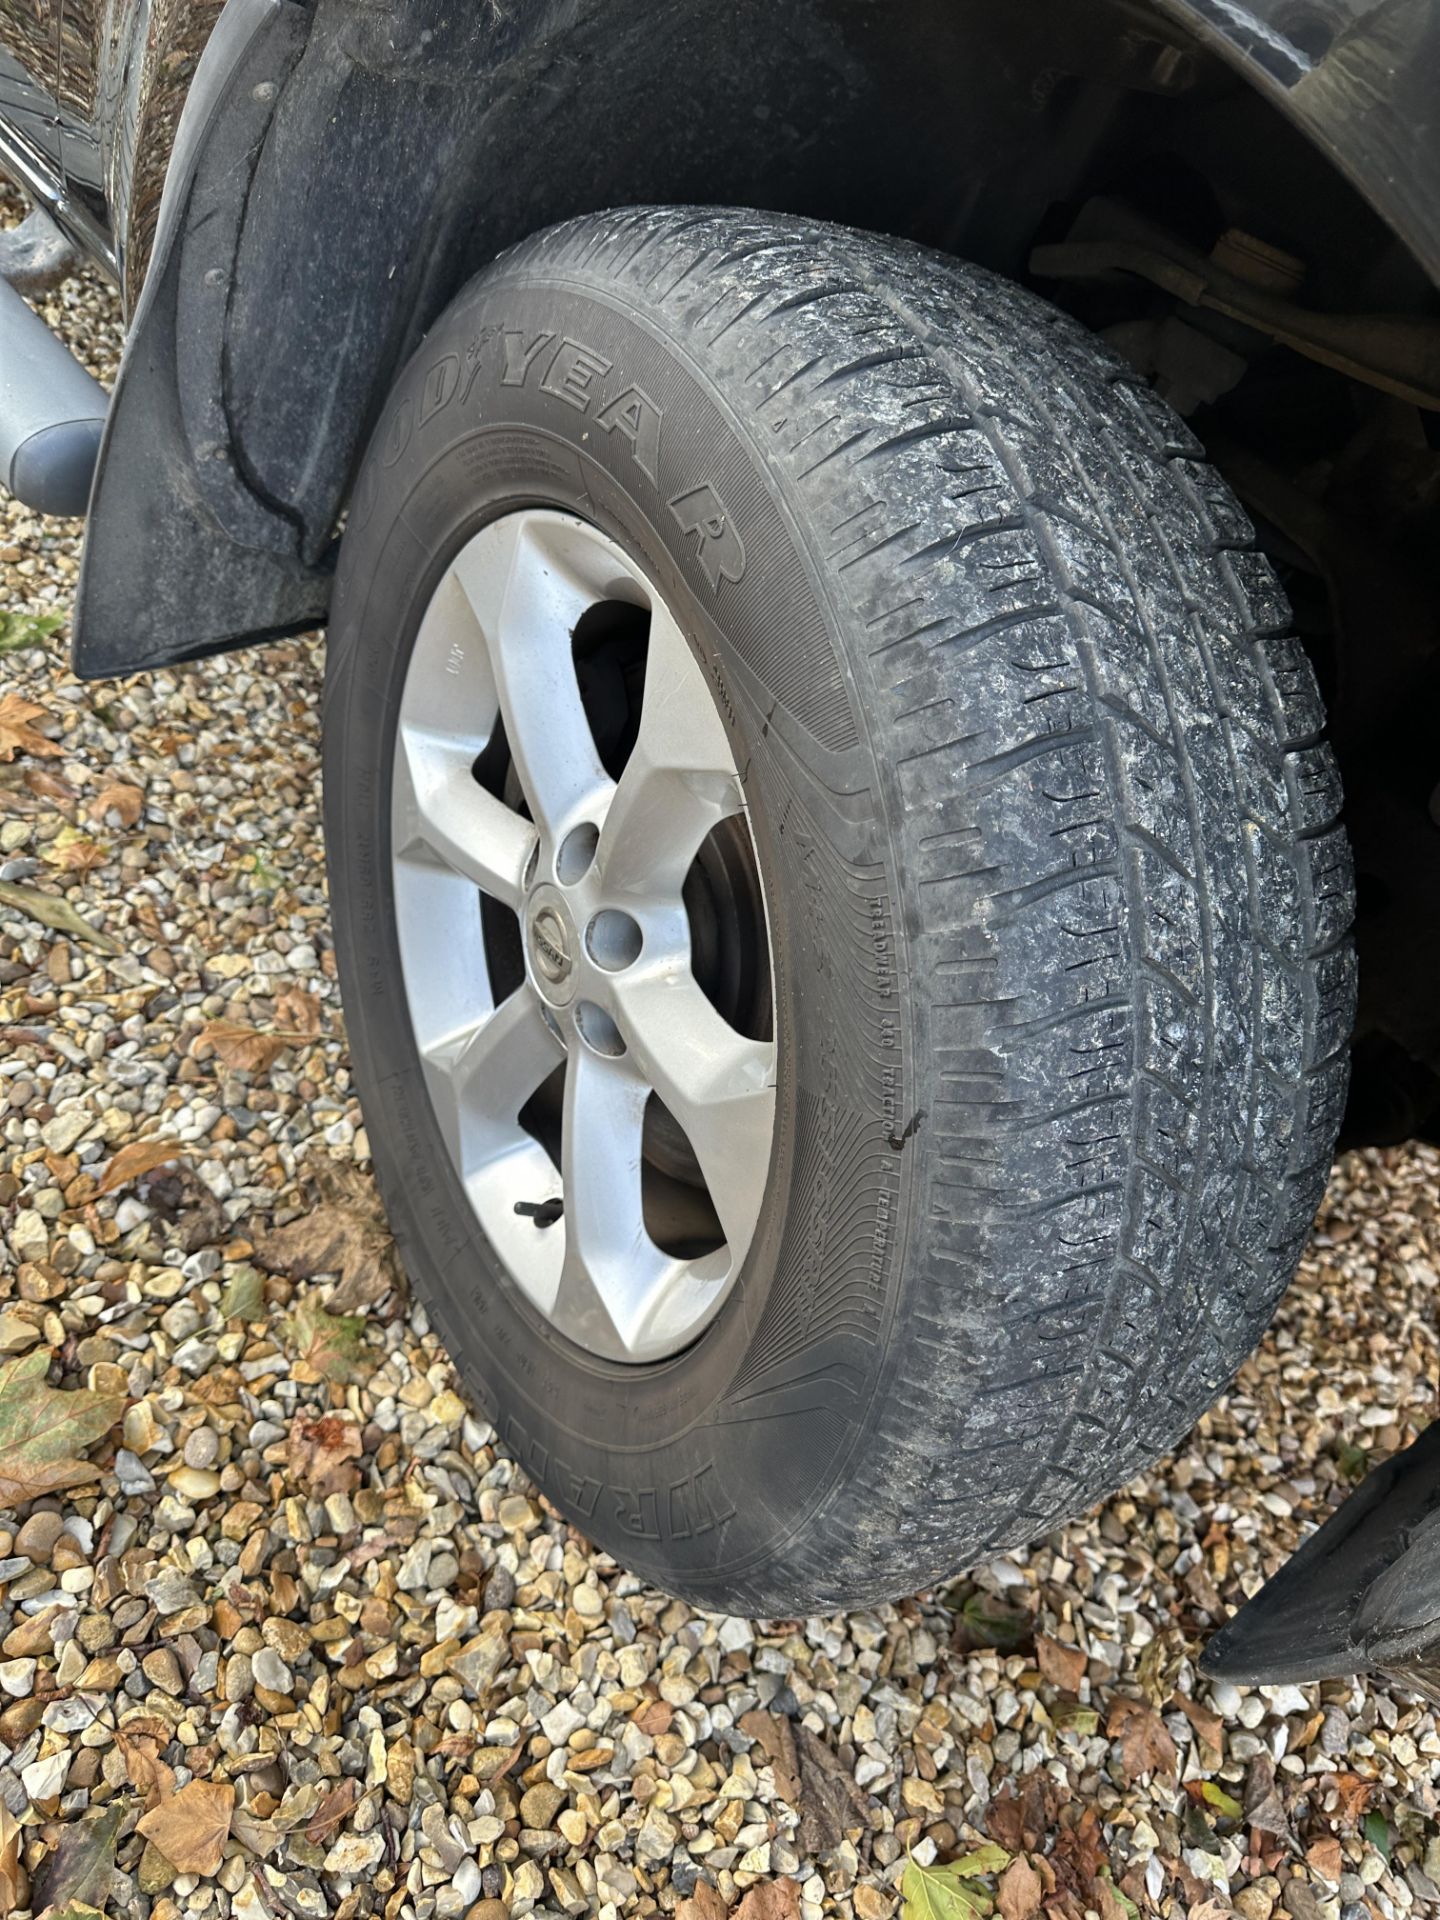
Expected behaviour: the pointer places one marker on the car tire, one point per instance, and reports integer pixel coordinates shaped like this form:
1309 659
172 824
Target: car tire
1054 895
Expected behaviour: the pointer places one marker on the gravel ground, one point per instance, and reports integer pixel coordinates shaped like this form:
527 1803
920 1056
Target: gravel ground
307 1643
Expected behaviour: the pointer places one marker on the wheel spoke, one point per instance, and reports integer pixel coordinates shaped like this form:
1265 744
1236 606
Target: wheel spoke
527 599
680 779
440 806
484 1074
719 1086
612 1268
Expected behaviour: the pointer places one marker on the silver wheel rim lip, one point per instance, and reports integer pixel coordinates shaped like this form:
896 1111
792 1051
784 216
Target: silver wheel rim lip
494 647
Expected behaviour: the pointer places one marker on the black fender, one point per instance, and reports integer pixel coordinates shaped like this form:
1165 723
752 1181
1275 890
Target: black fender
342 167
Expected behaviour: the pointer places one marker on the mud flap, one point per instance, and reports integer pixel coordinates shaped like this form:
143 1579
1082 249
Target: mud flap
1361 1595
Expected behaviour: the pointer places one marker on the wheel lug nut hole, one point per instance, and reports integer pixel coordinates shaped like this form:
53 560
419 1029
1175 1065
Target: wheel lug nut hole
577 850
598 1030
614 940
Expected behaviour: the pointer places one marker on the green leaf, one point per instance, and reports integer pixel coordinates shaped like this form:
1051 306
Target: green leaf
79 1871
43 1432
989 1622
21 630
942 1893
243 1297
1352 1461
985 1859
1377 1831
1226 1803
1131 1910
1070 1717
334 1344
266 877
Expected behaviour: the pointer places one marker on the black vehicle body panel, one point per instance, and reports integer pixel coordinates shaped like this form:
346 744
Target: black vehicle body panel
344 169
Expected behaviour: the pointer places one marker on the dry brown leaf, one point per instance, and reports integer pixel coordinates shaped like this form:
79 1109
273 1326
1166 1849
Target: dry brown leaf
141 1156
1209 1729
322 1453
773 1735
1019 1891
703 1904
125 802
46 784
57 914
192 1826
1264 1808
771 1900
1145 1745
16 733
247 1049
1327 1858
1062 1665
333 1811
830 1802
147 1772
298 1010
345 1234
654 1717
75 853
1021 1822
1353 1794
14 1882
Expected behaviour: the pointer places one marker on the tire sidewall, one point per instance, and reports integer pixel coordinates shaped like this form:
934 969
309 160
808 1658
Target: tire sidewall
706 1469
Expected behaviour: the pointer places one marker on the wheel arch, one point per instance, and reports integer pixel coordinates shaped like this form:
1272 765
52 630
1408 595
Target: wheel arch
342 169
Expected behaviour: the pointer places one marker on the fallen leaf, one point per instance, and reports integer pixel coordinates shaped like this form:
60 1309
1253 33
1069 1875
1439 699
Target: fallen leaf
831 1805
1353 1796
20 630
704 1904
1077 1857
191 1827
942 1893
350 1241
83 1862
984 1620
1209 1729
322 1453
986 1858
1063 1666
49 910
14 1882
1208 1793
1376 1829
247 1049
1024 1820
773 1734
1327 1858
179 1195
654 1717
1018 1894
243 1295
141 1156
333 1811
298 1010
1145 1745
125 802
148 1773
1264 1809
72 852
16 733
43 1432
771 1900
46 784
332 1345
